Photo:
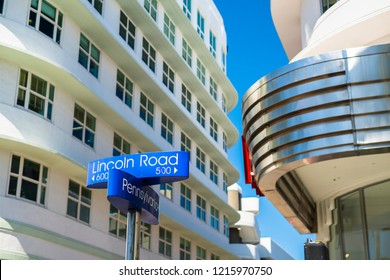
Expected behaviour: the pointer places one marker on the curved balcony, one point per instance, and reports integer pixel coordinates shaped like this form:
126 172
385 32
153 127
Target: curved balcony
319 127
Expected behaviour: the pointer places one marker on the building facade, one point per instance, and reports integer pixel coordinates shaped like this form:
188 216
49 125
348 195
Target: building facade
317 129
87 79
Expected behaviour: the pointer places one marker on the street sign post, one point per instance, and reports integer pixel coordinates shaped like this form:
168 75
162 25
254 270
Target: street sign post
127 179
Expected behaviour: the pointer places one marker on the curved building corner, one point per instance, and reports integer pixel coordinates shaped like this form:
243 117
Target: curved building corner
318 129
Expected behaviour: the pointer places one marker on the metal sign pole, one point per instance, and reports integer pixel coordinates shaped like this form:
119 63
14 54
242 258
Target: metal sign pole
133 234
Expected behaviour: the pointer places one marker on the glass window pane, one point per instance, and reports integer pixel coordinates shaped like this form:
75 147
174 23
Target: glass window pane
352 227
84 213
31 169
74 189
29 190
72 208
13 183
46 27
377 204
15 164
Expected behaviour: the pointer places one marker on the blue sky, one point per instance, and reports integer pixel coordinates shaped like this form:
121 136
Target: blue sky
254 50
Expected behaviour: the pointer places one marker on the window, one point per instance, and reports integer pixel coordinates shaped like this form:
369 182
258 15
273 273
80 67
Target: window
97 4
89 56
361 224
186 98
225 226
79 202
121 146
35 94
151 7
200 160
223 61
148 55
224 108
1 6
214 217
213 44
124 88
167 128
201 72
117 222
146 110
186 52
168 77
225 182
127 30
185 143
200 25
187 8
165 242
166 190
224 142
146 235
28 180
185 197
213 129
200 114
169 29
213 89
200 253
200 208
213 172
214 257
45 18
185 249
326 4
84 126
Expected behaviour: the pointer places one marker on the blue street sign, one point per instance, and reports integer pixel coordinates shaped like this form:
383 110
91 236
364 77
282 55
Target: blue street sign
153 168
127 192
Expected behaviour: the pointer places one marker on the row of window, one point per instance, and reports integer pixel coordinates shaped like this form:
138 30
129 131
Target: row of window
28 180
48 19
37 95
89 58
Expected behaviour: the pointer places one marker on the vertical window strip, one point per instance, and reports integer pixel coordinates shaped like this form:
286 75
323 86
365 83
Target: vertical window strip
169 29
165 242
146 235
79 202
84 126
151 7
185 143
185 197
200 25
166 190
167 128
201 208
213 44
168 77
201 114
124 88
187 8
148 55
213 89
185 249
200 160
186 53
186 98
127 30
214 218
213 172
146 110
201 72
89 56
117 222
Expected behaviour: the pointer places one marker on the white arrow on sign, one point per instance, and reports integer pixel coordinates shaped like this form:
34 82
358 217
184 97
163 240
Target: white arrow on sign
174 170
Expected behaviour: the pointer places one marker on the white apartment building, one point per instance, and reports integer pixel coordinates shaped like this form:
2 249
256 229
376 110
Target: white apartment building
82 80
318 129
